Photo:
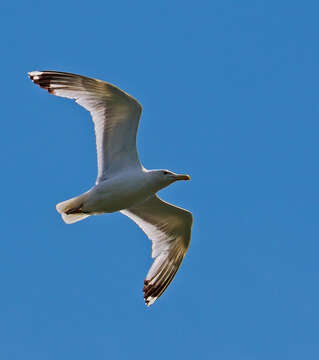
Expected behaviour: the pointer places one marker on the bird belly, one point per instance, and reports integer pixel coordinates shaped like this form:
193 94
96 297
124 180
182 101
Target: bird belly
112 196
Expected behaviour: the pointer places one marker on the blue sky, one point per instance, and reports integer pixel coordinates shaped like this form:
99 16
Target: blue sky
230 96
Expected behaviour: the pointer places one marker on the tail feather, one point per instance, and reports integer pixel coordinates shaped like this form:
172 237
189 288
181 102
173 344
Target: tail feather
66 207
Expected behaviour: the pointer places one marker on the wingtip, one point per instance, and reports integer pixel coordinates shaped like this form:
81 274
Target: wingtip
40 78
35 76
149 300
32 74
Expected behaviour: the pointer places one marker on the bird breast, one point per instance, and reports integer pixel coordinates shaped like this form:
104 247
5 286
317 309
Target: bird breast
118 193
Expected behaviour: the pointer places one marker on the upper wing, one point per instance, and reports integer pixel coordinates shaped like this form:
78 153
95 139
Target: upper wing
169 229
115 115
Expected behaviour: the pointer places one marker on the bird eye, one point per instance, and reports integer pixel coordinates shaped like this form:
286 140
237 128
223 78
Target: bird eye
165 172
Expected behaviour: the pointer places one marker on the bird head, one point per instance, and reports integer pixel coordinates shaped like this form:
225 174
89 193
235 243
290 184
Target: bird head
164 178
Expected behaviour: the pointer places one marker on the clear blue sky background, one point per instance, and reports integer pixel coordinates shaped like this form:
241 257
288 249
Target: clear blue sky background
230 96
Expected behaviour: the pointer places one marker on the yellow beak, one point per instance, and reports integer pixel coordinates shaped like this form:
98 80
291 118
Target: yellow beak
182 177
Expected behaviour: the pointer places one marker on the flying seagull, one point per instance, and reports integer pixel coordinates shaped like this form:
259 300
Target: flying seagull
122 183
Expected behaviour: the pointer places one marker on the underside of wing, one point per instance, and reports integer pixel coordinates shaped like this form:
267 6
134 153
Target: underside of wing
115 115
169 229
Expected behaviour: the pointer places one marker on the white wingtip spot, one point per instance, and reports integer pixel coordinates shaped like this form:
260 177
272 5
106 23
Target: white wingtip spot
35 73
150 300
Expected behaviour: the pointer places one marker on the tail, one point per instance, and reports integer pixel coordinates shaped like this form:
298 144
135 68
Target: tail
70 210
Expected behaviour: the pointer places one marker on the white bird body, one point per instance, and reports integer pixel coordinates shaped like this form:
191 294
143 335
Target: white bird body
123 184
117 193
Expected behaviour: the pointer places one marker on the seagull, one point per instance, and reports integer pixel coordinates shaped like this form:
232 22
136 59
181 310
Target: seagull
122 183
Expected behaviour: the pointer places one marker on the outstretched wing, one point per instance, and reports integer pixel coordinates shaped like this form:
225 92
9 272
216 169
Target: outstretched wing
169 229
115 116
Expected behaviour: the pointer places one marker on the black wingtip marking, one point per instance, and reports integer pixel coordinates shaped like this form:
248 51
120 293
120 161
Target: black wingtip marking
151 291
43 80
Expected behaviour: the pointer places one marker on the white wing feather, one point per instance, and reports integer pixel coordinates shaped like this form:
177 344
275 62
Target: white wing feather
115 116
169 229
